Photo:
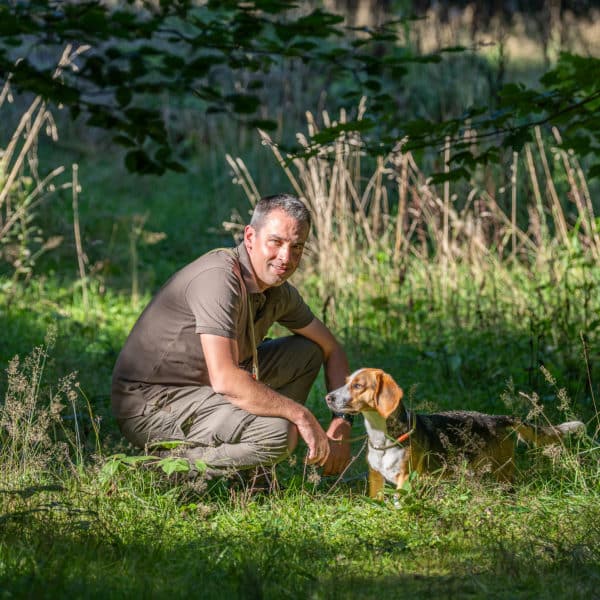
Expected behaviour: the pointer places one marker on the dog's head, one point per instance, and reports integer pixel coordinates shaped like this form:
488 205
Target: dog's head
366 390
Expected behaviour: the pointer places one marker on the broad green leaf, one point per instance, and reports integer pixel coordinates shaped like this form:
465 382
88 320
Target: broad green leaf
110 468
172 465
243 103
452 175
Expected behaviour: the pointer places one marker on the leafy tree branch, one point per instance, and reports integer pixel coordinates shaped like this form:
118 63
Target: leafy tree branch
140 51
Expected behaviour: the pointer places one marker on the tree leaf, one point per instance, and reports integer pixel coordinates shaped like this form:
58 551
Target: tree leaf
452 175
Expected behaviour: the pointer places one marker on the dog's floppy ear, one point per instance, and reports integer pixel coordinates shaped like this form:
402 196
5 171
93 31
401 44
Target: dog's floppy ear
388 395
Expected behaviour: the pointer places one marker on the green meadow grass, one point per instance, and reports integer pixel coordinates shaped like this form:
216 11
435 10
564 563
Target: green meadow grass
141 537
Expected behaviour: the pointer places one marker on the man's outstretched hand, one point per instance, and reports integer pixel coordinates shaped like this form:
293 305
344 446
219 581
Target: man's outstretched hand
339 447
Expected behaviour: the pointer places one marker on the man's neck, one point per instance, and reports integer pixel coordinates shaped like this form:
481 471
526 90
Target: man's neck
248 274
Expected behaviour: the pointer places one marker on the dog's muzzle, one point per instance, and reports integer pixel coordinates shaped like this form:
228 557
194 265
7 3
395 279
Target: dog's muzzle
330 400
336 402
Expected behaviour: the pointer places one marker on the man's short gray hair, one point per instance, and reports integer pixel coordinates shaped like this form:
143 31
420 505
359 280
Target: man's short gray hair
291 205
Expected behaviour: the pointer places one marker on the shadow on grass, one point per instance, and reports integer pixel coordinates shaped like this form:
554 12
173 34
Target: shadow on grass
176 560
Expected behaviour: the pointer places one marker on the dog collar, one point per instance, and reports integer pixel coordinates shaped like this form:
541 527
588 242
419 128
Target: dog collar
402 438
394 423
398 441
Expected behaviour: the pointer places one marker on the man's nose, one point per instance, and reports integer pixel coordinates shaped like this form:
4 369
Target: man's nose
284 253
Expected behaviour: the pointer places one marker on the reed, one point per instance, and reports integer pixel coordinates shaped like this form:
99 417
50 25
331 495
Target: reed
41 425
23 189
370 214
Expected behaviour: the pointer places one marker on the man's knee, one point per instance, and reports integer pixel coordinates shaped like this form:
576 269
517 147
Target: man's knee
312 352
270 442
277 448
280 446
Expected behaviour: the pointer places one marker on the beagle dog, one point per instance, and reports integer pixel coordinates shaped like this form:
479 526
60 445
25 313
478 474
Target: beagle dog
400 441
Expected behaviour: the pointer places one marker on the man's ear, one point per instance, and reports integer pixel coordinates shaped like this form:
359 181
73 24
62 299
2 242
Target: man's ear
388 395
249 235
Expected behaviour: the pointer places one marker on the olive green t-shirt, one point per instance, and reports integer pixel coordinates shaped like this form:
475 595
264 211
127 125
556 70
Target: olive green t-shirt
207 296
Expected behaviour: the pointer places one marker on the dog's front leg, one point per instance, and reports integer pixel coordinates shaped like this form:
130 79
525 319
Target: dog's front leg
404 473
376 484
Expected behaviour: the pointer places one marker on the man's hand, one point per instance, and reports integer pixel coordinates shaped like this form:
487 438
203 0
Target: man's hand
339 455
314 436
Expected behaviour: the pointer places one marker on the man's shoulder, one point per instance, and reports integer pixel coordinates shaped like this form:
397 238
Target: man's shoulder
214 270
219 257
225 259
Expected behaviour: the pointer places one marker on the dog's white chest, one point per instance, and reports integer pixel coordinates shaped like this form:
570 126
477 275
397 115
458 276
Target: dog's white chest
387 462
383 456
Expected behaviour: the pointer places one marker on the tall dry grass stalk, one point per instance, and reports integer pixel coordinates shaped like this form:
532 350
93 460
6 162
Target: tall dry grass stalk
366 219
352 218
22 188
81 256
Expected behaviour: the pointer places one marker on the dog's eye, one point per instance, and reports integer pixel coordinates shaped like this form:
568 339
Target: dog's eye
357 386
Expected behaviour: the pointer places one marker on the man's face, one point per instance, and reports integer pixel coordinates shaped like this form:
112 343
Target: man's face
276 248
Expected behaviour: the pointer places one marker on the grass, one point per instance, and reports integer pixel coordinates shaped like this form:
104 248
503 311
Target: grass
457 540
69 531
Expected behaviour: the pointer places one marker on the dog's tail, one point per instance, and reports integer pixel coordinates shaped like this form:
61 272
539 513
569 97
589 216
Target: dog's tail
547 434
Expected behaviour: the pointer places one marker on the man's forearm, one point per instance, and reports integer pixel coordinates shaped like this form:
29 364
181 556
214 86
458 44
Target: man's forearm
257 398
336 369
227 378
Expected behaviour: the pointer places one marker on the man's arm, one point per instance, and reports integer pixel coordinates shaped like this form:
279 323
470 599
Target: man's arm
227 378
336 371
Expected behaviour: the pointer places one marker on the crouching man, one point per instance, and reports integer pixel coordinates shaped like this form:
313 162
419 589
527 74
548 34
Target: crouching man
196 367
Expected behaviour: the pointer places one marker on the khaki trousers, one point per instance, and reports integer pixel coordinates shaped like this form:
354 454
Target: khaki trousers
215 431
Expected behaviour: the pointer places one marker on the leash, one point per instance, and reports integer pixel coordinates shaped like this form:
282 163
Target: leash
251 327
398 441
351 440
